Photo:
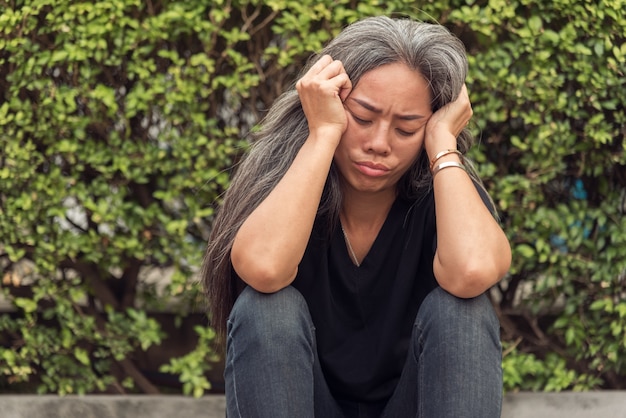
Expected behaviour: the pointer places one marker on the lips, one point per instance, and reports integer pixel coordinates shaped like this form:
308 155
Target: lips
372 169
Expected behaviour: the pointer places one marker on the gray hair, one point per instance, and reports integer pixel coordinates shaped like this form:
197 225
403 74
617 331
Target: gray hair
367 44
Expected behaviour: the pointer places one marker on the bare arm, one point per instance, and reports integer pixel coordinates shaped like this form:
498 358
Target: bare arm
271 242
473 252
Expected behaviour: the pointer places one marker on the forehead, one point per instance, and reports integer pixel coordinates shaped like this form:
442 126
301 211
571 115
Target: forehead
394 87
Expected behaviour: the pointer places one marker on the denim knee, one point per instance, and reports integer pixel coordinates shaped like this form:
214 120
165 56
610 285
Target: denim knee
459 357
442 306
270 355
271 320
443 315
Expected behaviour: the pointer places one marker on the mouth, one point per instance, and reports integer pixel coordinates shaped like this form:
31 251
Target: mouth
372 169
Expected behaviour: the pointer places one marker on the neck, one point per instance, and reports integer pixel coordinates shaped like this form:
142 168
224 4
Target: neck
362 216
362 211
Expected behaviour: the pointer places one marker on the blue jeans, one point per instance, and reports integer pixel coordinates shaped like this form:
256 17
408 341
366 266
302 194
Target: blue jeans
453 367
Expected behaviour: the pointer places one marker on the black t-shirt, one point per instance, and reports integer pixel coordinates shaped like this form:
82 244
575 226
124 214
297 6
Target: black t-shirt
364 315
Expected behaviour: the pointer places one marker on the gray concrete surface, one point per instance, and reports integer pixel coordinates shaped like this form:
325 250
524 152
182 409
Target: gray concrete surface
602 404
607 404
104 406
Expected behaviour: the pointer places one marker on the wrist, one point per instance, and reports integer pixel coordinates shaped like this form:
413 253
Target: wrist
438 141
446 155
329 135
447 164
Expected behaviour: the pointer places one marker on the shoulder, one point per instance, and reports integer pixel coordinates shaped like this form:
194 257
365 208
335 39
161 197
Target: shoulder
422 207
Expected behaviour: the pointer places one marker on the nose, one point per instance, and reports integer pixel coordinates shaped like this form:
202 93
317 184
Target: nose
379 141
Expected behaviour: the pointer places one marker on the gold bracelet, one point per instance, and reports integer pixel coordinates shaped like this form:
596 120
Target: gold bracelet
442 154
448 164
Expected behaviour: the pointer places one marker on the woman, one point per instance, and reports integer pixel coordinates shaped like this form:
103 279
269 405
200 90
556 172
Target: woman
349 261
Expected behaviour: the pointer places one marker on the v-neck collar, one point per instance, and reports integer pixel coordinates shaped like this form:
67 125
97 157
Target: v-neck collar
339 239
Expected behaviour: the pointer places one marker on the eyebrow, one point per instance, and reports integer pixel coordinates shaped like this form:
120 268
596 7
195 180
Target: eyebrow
374 109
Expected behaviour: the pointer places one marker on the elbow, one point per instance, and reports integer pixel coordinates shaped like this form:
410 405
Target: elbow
468 285
264 277
269 283
473 279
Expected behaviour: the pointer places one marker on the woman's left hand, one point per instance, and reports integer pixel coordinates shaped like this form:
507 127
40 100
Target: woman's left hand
447 123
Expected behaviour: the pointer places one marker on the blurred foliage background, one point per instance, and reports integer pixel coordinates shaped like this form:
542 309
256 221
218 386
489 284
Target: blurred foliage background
120 121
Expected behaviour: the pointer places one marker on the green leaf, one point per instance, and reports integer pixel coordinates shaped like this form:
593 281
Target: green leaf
82 356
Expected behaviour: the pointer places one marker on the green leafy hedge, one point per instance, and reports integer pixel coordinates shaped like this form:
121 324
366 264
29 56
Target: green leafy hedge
120 120
549 90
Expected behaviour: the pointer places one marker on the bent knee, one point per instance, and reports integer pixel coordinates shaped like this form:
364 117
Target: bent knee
271 315
447 309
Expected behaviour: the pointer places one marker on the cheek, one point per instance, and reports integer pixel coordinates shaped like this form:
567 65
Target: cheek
341 156
410 151
349 141
350 134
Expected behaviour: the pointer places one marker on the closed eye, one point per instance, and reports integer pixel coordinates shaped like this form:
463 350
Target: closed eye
405 133
359 120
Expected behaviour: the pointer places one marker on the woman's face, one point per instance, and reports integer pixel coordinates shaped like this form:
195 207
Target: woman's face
387 114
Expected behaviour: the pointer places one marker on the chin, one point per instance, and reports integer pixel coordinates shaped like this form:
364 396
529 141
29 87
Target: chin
373 188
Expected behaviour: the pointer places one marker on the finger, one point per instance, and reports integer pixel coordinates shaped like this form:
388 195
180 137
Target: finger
461 106
336 74
344 84
332 69
320 64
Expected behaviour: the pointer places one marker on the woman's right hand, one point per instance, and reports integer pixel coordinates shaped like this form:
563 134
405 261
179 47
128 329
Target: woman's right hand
322 91
270 243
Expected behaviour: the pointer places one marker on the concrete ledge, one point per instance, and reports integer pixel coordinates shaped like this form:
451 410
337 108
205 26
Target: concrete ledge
105 406
603 404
